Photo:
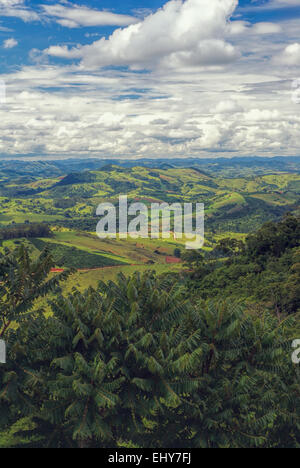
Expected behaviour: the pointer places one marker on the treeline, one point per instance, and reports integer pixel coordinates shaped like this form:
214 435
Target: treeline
17 231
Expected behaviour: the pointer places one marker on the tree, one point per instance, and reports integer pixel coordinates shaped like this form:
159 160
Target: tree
192 258
229 247
177 253
22 281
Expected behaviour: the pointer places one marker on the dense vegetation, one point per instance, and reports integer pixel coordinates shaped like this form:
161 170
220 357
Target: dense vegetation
142 362
264 270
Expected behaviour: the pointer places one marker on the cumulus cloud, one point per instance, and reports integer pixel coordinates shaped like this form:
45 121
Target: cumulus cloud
74 16
290 56
10 43
187 32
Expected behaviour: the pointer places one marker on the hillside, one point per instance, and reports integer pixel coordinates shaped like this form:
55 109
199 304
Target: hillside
234 206
77 195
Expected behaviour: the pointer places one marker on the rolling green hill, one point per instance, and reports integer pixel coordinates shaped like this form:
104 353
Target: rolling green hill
233 206
77 195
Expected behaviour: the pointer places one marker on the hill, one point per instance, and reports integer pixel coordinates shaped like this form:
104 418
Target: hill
234 206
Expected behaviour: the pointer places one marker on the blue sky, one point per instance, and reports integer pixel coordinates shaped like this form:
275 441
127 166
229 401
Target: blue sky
149 78
45 31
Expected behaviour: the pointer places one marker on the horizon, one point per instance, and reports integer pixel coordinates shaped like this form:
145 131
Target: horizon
119 159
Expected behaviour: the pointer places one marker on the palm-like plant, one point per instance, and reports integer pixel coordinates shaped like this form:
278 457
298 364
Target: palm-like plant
22 281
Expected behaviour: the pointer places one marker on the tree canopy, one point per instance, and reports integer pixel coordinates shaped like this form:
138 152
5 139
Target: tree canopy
135 362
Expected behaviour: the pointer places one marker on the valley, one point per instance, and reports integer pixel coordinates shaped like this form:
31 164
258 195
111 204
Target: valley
67 204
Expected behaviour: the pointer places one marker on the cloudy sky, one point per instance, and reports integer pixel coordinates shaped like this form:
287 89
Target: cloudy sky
141 78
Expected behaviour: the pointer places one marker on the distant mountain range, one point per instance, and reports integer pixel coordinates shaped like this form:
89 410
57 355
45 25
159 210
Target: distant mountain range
227 167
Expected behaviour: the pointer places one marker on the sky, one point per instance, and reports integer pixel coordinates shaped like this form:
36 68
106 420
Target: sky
154 79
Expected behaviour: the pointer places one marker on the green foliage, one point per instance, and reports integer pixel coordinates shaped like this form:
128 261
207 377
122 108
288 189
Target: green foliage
133 362
177 253
22 281
192 258
265 271
274 239
143 361
229 247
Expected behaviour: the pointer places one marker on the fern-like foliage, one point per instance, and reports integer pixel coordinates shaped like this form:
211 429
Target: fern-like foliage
134 361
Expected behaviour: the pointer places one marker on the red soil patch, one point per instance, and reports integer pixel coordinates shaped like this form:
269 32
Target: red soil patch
173 260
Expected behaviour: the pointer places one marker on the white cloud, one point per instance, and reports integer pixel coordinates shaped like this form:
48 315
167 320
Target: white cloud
176 113
290 56
227 107
190 33
265 115
11 3
238 27
74 16
283 3
17 9
4 29
243 27
10 43
266 28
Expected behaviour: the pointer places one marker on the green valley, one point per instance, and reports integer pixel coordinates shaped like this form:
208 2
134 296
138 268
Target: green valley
234 207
